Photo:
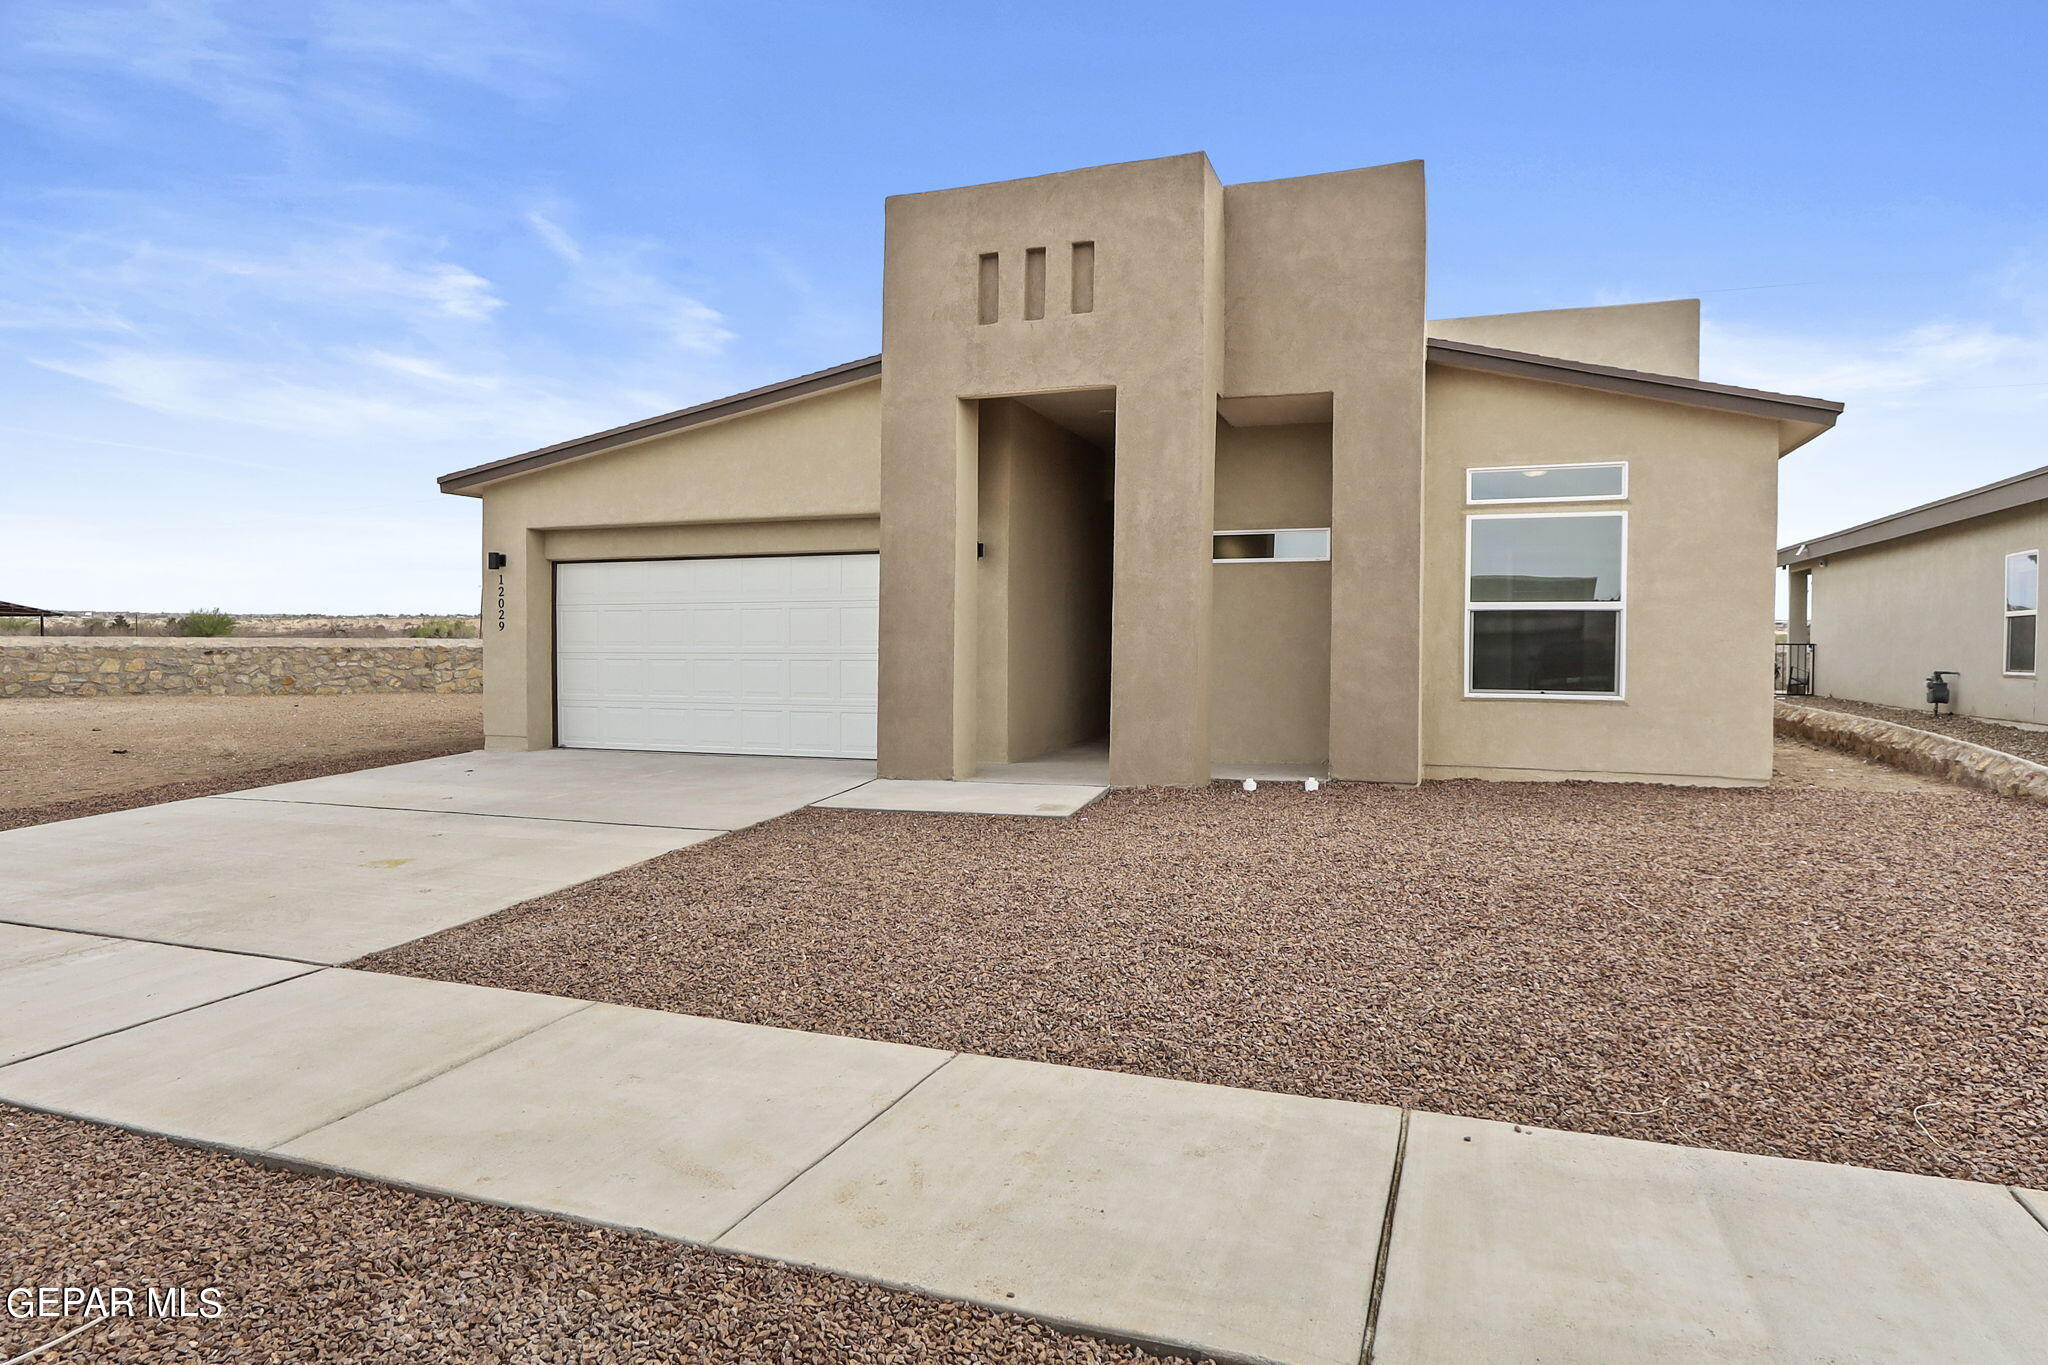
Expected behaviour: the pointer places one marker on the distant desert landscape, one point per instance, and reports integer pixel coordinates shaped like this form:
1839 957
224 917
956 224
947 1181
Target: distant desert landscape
250 626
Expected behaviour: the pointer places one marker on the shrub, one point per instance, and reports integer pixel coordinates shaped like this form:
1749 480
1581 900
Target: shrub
17 625
442 628
215 622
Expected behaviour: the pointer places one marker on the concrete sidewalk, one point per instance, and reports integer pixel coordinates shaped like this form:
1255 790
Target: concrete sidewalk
1243 1224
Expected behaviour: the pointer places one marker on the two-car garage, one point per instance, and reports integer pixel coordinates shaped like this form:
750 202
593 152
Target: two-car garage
769 654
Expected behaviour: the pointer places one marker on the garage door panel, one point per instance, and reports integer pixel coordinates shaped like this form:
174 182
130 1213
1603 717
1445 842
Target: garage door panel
761 655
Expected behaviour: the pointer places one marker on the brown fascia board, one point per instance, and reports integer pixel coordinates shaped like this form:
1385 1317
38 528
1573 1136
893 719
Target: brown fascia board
717 410
1800 418
2018 491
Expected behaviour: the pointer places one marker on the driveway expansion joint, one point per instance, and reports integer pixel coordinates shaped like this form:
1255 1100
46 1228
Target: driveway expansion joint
1379 1269
473 814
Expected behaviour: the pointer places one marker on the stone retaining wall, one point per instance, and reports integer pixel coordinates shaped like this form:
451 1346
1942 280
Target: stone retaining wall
1919 751
88 667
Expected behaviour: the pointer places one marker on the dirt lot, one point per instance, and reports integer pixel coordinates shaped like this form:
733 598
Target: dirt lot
79 755
1796 763
323 1268
1821 972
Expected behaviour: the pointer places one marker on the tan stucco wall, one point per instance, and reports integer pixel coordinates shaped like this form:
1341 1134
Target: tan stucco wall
1886 616
800 478
1270 673
1325 289
1154 335
1698 631
1043 667
1662 337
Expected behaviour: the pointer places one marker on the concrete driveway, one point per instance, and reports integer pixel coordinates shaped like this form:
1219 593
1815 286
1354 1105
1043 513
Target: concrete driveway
332 868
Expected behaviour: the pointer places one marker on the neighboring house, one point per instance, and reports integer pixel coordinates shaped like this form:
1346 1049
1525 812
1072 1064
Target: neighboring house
1178 465
1953 585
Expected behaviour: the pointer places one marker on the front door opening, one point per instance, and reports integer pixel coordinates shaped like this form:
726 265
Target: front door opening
1047 464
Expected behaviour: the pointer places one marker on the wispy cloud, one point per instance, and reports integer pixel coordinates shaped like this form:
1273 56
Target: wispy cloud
348 333
280 69
1931 408
615 279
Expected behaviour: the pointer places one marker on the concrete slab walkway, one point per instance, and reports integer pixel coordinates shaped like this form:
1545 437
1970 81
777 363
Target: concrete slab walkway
1248 1225
978 797
310 883
332 868
594 786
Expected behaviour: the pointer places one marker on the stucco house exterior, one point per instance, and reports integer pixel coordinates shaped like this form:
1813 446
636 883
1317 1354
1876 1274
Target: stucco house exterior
1176 470
1952 586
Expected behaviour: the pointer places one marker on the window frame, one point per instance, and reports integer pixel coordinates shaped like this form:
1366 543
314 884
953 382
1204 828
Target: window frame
1622 496
2005 633
1322 558
1619 607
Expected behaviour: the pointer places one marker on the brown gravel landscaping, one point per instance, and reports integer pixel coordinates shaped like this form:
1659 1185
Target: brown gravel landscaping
2028 744
1810 971
332 1269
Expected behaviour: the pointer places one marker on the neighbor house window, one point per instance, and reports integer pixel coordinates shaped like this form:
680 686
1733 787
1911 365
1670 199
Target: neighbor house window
1548 483
1543 603
1272 547
2022 609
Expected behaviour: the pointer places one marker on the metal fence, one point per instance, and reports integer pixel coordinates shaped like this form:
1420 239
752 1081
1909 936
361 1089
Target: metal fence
1792 671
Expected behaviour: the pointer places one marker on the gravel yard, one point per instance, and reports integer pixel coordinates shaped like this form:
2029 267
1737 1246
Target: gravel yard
2029 744
1824 972
62 757
333 1269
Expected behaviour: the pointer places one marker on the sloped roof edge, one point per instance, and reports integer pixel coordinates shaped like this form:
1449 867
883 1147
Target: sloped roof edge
2002 496
1809 416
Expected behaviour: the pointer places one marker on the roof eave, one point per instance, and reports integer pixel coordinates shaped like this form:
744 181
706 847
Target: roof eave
2021 490
1799 418
471 482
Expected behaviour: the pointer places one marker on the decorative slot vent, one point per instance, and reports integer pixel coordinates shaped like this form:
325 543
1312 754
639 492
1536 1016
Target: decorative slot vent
1034 283
1083 296
990 287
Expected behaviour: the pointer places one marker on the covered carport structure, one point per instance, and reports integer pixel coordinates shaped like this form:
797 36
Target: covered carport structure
42 616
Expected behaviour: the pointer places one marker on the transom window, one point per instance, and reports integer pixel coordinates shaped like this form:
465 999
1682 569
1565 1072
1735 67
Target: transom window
1544 596
1548 483
2022 609
1294 546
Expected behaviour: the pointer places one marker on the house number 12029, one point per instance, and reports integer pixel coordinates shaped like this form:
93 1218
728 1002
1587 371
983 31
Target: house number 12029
501 601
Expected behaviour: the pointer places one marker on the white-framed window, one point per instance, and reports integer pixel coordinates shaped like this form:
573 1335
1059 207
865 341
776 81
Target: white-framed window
1603 482
1545 600
2022 611
1293 545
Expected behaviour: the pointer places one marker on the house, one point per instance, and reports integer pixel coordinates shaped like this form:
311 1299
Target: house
1172 477
1951 586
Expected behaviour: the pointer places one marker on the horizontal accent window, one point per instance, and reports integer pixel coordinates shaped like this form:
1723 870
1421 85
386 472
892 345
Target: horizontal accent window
1295 546
2022 610
1543 603
1547 483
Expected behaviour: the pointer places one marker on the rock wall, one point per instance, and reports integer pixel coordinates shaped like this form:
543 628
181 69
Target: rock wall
1919 751
56 667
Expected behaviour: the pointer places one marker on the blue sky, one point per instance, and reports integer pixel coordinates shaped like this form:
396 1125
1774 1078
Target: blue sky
266 269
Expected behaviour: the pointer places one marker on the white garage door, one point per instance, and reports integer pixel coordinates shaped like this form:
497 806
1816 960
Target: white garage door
772 655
